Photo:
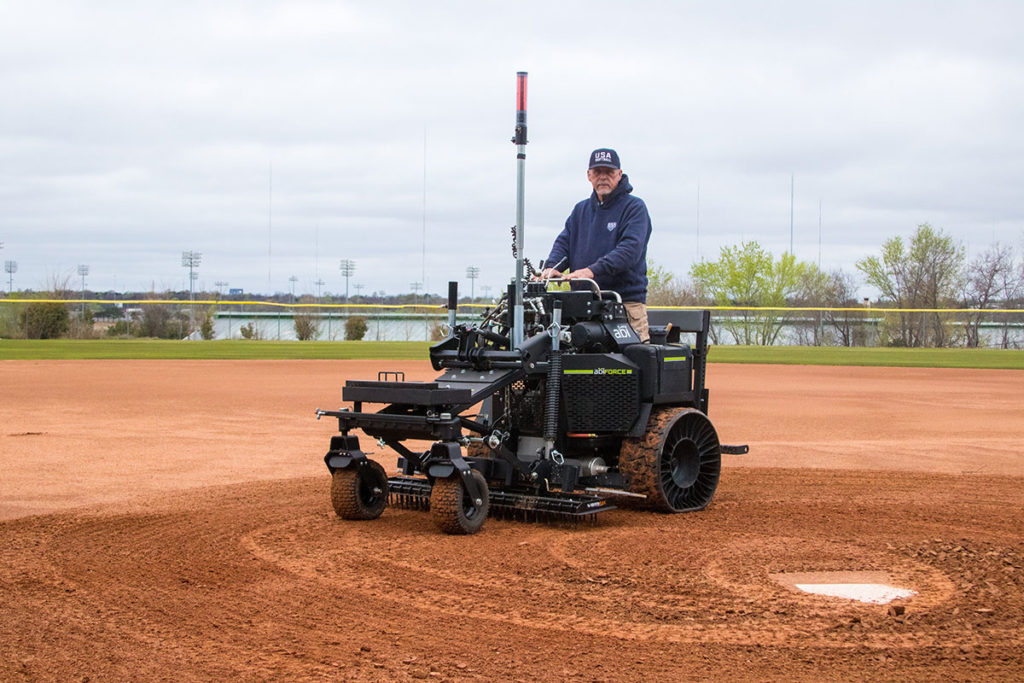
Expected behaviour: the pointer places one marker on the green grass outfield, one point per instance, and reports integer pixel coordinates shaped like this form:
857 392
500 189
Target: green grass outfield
68 349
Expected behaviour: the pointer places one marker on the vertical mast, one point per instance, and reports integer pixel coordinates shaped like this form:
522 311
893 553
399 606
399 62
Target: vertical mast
520 142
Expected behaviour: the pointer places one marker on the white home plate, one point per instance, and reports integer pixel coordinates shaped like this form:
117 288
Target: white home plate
870 586
875 593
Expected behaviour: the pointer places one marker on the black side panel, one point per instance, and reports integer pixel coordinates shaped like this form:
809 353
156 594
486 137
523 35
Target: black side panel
411 393
676 364
685 321
646 358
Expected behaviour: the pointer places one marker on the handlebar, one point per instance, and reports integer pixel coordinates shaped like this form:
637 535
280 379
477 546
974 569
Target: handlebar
593 285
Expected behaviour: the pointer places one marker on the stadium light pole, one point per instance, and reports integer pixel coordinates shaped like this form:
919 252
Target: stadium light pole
348 269
10 267
191 260
83 270
220 285
472 272
293 280
486 289
792 194
319 282
416 287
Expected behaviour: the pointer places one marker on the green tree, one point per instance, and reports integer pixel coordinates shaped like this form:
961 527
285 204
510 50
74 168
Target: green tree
926 273
250 331
306 327
206 330
44 321
749 277
9 324
355 328
156 321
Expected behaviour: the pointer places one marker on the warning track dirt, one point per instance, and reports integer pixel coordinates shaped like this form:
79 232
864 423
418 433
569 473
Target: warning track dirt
172 519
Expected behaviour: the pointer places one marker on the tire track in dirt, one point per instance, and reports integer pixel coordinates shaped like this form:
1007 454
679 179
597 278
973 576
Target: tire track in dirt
264 580
651 596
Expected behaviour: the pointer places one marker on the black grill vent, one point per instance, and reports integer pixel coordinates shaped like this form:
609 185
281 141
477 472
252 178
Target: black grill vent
599 402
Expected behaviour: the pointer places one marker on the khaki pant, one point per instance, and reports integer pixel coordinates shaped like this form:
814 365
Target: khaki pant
637 314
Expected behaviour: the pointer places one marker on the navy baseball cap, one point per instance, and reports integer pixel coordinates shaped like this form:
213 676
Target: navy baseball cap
604 158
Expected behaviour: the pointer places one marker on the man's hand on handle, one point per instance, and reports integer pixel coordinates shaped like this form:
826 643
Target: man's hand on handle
582 273
551 273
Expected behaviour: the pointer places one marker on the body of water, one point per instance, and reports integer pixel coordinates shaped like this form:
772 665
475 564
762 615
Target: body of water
417 327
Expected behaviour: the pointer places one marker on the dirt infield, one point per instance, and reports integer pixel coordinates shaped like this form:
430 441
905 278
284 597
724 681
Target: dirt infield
171 520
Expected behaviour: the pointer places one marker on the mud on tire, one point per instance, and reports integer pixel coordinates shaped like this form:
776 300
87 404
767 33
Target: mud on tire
676 464
453 510
360 492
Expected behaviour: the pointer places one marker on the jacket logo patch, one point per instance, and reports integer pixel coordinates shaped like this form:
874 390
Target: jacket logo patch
612 226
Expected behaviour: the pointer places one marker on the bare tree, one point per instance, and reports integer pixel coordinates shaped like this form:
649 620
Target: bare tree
665 289
841 292
1013 297
60 287
985 284
811 293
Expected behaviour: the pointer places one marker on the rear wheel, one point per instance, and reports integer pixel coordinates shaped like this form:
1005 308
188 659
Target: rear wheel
452 508
360 492
677 463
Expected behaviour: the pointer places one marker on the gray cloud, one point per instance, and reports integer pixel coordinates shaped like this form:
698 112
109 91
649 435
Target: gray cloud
130 132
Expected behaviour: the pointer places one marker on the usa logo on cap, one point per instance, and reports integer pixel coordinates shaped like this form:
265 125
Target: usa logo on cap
604 158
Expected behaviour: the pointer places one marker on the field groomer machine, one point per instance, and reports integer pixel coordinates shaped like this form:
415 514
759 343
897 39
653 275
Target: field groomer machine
548 407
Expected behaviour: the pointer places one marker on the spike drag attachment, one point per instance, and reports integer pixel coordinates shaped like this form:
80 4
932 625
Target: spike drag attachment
409 493
413 493
520 141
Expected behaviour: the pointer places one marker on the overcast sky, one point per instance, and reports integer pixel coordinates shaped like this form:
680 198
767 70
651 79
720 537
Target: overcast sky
278 137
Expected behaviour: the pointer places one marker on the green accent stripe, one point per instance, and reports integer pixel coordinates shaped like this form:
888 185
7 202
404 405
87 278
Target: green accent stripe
675 358
599 371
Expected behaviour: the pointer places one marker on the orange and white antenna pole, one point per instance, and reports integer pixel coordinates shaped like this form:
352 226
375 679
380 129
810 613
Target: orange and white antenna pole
520 141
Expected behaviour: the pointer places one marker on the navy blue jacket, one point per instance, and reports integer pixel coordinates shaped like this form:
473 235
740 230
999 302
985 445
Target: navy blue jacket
610 239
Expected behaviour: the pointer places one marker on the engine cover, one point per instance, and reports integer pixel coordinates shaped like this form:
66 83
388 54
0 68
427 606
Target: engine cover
603 336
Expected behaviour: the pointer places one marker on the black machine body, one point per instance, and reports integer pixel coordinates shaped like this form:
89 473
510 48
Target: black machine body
582 416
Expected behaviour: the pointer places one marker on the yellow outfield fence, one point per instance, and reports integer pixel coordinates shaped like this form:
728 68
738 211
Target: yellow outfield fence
442 307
